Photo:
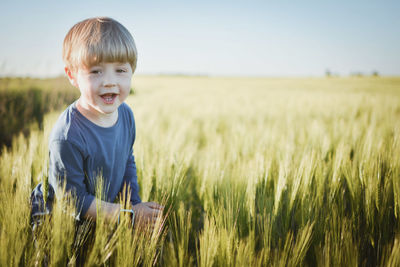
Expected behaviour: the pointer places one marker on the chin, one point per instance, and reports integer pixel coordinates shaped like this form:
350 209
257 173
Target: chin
107 110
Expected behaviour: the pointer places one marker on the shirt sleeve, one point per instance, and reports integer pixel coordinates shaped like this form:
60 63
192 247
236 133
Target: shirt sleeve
130 179
66 166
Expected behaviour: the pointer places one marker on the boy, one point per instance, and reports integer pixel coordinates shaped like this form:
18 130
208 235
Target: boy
94 136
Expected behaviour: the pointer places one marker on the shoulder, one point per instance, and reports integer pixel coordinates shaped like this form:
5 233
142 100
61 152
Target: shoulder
124 108
126 114
68 127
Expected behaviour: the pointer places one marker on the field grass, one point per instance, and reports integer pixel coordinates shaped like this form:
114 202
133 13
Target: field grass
253 171
25 101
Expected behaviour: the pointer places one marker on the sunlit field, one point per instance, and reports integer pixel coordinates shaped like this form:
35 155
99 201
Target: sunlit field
253 172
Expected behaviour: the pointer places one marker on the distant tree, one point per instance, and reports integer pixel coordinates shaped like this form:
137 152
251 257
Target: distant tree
328 73
356 74
375 73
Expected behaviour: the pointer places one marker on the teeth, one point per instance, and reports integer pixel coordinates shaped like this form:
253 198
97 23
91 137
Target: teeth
108 97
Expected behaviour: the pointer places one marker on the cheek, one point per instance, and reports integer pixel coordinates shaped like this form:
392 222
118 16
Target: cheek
91 87
127 86
124 94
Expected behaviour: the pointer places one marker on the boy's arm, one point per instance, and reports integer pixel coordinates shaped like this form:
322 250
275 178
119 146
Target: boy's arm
130 179
66 162
110 210
148 211
145 212
66 166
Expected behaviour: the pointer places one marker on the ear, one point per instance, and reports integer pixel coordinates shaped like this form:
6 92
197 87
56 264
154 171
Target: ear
71 76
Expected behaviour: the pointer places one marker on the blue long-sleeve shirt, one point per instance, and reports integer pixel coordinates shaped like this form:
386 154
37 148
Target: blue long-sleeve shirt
81 151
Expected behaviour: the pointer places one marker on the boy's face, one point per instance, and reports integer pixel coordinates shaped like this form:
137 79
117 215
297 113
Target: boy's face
104 87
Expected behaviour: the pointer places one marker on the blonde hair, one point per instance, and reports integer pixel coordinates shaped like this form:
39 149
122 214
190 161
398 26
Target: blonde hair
96 40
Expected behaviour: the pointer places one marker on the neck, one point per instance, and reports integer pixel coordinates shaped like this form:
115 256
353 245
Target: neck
100 119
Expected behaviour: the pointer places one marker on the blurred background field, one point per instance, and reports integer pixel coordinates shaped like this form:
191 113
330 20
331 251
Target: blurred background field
25 101
255 171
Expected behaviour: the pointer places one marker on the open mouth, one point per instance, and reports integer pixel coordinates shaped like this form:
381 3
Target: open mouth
109 98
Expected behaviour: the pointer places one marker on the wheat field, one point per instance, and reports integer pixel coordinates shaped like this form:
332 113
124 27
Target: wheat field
253 172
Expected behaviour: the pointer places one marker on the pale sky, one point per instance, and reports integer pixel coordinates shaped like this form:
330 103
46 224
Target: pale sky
246 38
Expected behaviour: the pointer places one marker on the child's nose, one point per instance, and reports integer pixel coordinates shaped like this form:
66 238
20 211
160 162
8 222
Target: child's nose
109 80
109 84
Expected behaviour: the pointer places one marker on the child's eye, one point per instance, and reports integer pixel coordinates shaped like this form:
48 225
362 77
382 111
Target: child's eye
121 70
95 71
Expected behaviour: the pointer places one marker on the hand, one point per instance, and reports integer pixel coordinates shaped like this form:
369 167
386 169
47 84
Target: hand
146 214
